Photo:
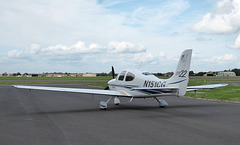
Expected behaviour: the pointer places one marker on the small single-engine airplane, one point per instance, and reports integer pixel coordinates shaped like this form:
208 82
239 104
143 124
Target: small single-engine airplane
141 84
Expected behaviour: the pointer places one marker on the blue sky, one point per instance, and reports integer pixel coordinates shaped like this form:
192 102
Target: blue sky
91 36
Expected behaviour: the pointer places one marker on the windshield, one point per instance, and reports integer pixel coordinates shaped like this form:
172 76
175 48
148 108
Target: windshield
121 76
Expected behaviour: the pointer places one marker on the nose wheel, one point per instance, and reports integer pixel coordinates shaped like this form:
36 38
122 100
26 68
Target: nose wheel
116 101
162 103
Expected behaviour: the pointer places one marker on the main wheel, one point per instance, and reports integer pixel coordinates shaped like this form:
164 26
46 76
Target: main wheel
103 105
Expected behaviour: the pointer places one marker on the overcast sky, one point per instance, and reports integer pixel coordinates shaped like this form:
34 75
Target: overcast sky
92 35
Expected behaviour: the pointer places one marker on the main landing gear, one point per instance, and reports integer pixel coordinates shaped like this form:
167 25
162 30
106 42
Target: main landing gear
162 103
103 104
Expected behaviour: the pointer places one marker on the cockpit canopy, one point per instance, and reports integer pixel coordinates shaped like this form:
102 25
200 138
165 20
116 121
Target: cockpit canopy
129 77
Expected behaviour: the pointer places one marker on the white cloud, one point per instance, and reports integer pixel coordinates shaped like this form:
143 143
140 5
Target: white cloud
125 54
79 47
145 57
227 58
32 50
125 47
152 18
162 54
54 22
224 19
236 44
14 53
35 51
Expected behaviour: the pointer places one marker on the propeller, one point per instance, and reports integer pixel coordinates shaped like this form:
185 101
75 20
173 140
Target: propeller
113 75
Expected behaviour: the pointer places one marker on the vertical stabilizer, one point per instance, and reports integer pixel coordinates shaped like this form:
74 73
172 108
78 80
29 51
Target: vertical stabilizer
181 75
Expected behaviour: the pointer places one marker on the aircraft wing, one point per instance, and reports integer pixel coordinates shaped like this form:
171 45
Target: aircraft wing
193 88
75 90
152 91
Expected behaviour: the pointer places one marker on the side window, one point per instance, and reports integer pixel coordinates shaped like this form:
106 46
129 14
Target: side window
130 76
147 73
121 76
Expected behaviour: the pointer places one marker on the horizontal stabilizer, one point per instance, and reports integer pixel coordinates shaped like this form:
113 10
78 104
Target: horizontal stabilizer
192 88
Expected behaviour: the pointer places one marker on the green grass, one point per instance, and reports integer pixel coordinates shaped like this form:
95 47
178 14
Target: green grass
227 93
92 81
53 78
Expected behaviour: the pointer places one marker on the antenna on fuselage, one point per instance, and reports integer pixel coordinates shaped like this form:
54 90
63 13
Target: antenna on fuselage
142 60
140 65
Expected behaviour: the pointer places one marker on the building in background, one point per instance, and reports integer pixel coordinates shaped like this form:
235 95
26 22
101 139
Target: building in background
226 74
209 74
89 75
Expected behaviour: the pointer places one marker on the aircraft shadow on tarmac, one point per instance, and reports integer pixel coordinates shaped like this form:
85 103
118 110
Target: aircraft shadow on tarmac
123 107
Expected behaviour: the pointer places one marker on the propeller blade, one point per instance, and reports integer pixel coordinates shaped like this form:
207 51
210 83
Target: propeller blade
113 73
107 88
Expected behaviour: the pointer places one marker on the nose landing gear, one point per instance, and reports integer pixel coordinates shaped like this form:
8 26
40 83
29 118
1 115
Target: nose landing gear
162 103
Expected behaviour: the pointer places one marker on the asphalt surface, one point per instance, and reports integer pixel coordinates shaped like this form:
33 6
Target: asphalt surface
59 118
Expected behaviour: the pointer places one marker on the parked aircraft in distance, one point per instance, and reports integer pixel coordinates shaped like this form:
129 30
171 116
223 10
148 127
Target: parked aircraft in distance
141 84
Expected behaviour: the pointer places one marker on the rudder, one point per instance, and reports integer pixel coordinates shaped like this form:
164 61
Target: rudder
181 75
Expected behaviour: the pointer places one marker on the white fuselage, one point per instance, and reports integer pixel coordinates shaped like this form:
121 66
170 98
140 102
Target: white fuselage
136 83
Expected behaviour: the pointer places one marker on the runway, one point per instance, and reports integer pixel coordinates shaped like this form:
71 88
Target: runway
60 118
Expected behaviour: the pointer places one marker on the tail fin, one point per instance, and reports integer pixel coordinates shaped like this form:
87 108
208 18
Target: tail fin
180 77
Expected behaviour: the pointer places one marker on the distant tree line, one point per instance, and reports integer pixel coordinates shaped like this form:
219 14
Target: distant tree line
236 70
191 73
106 74
168 74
